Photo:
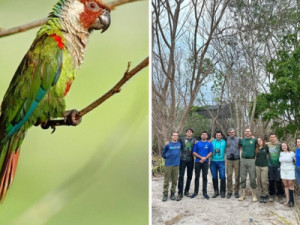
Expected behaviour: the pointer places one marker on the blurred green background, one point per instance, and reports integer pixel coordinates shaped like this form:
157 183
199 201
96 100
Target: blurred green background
96 173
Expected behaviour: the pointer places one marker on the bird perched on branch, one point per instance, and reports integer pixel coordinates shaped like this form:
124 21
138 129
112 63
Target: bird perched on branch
45 75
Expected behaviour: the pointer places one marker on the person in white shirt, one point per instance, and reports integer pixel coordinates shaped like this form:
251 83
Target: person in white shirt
287 172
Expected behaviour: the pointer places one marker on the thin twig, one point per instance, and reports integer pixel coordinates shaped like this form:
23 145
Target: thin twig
37 23
116 88
116 3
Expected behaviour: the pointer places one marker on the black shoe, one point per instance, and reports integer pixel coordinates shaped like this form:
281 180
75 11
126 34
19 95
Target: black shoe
266 198
205 196
173 197
236 194
222 194
187 194
291 204
261 199
216 194
194 195
165 198
179 197
229 195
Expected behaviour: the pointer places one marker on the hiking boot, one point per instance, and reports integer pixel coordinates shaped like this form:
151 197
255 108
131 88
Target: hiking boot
243 195
223 188
216 194
236 194
265 198
222 194
173 197
261 199
165 198
291 202
216 188
229 195
205 196
179 197
187 194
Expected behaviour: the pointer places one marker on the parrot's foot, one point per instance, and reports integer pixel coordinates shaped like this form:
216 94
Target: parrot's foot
72 118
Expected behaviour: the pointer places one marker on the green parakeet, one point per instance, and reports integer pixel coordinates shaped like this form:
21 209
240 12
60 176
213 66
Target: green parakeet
45 75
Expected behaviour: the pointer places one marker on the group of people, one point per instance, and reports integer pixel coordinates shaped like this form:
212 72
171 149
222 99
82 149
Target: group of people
272 166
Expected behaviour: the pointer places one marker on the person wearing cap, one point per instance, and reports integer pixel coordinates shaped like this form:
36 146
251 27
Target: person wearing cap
186 162
233 163
217 165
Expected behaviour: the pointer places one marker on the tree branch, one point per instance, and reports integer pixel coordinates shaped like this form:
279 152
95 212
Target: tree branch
37 23
114 90
117 88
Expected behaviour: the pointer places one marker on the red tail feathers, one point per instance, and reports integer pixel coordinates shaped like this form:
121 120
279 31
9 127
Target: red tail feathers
8 172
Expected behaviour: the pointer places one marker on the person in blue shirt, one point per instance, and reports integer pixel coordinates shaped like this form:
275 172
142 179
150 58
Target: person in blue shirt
171 154
297 168
217 164
202 150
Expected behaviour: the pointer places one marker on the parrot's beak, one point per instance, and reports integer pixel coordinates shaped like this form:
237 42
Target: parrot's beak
102 22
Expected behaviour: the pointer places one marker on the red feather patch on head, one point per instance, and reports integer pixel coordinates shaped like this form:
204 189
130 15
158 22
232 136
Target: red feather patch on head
58 40
92 10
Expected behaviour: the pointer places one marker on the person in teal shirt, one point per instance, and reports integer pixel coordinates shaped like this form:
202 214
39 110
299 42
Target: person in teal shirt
217 164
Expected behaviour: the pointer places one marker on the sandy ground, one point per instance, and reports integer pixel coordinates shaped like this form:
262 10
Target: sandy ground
217 211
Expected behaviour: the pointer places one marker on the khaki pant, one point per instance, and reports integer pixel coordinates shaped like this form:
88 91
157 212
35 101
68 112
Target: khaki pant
262 180
171 173
248 166
233 165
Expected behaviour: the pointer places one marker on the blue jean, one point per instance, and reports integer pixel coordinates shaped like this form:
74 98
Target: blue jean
217 166
297 173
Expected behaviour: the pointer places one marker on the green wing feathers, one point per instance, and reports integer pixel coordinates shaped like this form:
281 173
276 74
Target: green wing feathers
38 72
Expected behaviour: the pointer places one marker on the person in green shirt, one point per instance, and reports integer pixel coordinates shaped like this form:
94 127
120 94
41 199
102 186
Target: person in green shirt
274 169
261 166
248 144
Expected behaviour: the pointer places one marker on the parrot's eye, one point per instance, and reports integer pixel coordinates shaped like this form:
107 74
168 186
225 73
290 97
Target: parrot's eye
93 6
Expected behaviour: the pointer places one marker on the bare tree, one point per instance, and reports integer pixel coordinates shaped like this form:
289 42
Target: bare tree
182 35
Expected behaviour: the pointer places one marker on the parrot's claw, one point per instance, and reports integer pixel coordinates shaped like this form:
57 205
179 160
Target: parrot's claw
72 118
53 129
47 125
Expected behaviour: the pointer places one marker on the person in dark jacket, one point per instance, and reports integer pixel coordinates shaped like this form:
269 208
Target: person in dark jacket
262 169
186 161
